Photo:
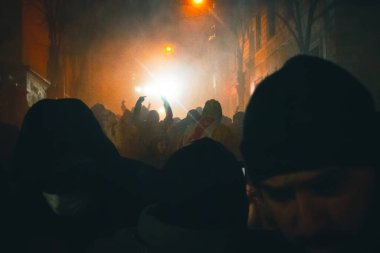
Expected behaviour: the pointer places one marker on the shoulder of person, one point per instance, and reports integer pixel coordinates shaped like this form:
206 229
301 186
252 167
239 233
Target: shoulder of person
257 240
222 131
124 240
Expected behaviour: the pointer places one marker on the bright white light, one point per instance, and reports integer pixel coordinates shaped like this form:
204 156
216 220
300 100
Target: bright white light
162 85
168 83
150 90
138 89
161 110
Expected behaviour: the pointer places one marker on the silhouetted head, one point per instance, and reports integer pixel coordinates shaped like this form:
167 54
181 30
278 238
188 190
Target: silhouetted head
105 117
153 117
126 117
60 143
310 144
98 108
238 118
199 109
204 187
310 113
193 115
212 110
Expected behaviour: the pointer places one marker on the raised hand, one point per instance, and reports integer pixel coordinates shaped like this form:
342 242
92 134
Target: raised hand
141 99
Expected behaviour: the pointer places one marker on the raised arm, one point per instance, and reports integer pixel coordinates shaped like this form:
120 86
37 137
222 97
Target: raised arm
137 109
168 111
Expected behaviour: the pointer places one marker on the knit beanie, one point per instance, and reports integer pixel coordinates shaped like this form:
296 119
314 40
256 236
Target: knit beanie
309 114
204 187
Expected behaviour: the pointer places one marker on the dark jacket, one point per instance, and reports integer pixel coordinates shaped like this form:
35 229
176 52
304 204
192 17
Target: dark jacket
63 150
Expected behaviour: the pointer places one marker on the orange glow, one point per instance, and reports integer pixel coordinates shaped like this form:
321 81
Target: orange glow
195 8
168 49
35 40
198 2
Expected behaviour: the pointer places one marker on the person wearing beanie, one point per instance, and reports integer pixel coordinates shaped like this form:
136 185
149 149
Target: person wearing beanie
310 143
203 206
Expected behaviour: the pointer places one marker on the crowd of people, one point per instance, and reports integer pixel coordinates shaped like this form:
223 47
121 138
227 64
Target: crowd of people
139 134
297 172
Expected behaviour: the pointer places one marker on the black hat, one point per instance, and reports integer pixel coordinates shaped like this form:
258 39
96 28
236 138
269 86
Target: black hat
309 114
204 186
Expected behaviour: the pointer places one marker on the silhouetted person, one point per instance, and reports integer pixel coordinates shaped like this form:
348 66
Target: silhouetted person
123 107
71 185
127 136
107 120
226 121
210 126
311 147
153 133
203 206
237 133
177 131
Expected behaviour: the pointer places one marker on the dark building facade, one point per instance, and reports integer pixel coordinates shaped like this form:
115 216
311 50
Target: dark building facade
345 32
10 32
20 88
20 85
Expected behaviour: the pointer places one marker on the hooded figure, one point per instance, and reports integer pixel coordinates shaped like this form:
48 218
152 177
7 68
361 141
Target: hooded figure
210 126
71 185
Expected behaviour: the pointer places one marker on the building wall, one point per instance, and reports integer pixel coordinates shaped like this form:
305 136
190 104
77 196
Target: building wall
347 34
35 41
274 49
23 57
10 32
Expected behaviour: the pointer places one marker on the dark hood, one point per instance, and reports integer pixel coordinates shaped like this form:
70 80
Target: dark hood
61 134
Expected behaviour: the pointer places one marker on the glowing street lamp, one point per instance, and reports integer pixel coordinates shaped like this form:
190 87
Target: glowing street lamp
196 8
198 2
168 50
